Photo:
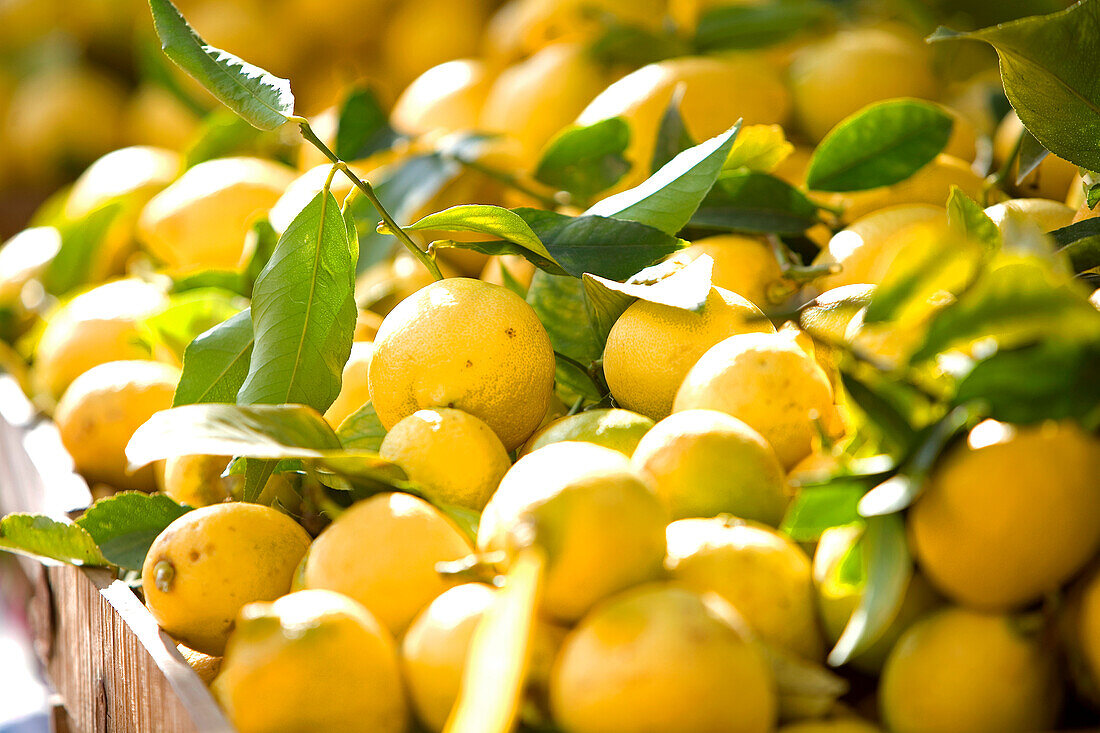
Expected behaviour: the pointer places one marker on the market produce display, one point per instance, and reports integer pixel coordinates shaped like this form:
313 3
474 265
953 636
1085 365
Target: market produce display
579 366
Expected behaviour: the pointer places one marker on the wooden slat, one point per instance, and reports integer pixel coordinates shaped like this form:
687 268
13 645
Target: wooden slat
112 667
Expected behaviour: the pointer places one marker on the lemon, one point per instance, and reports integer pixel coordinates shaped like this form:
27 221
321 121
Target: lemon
97 326
366 327
662 658
206 565
23 258
1048 215
61 119
743 265
385 284
612 428
518 268
764 576
129 176
197 480
1080 626
382 552
534 99
469 345
311 661
836 600
703 463
200 221
1009 515
1050 180
354 388
203 665
717 92
837 725
155 116
652 346
959 670
446 97
103 407
768 382
601 525
840 75
866 248
434 650
456 457
826 319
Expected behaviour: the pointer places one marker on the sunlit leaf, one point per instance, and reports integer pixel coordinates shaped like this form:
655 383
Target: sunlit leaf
125 525
216 363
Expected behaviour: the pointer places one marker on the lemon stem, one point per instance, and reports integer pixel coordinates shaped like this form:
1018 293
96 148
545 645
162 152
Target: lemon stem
368 191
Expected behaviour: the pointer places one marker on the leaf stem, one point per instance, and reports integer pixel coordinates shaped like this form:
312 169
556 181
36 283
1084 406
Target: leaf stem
997 179
368 191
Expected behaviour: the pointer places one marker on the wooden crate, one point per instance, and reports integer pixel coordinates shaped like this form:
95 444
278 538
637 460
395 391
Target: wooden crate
111 666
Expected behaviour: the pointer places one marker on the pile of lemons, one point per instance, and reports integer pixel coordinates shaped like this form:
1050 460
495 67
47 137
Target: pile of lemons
669 599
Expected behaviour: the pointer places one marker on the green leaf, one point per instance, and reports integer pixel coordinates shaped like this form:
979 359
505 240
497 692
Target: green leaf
611 248
673 137
303 312
748 201
559 303
362 429
125 525
81 239
671 283
967 217
1030 156
215 364
189 315
229 280
1050 380
264 238
252 431
888 568
736 27
1014 304
880 145
818 508
44 538
363 127
1081 243
585 160
497 247
261 98
668 198
1092 195
920 271
880 399
495 221
1052 87
633 46
222 134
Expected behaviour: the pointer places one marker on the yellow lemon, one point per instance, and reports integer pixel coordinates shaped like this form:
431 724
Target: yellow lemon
1048 215
382 552
200 220
434 650
311 661
534 99
446 97
1050 180
743 265
206 565
1009 515
662 658
836 600
652 346
600 524
842 74
155 116
421 34
930 185
456 457
102 408
385 284
197 480
612 428
23 258
1080 626
203 665
764 576
95 327
354 388
469 345
959 670
717 92
865 249
128 177
703 463
768 382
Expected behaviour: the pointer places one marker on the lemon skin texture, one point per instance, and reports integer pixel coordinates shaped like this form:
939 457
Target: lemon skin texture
205 566
469 345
